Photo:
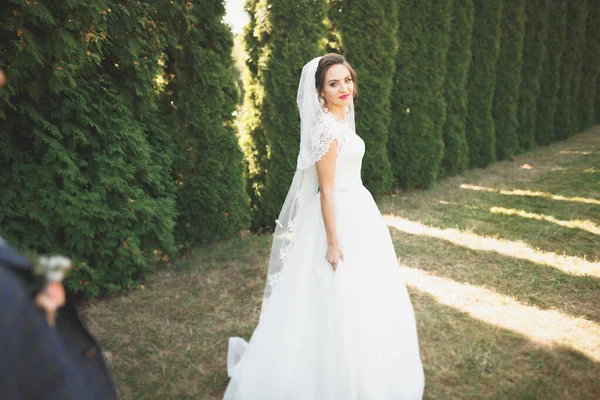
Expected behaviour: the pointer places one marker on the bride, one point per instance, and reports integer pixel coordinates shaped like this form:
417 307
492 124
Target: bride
336 321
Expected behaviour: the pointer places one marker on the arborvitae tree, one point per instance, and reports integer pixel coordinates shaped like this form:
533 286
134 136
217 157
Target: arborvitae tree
508 78
550 79
580 16
482 82
590 68
534 54
418 106
565 119
211 199
78 175
256 35
597 102
368 33
302 22
456 149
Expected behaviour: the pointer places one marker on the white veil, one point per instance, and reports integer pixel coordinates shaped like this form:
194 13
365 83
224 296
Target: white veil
315 140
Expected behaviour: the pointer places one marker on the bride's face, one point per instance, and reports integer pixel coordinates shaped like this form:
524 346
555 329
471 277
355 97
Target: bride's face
338 86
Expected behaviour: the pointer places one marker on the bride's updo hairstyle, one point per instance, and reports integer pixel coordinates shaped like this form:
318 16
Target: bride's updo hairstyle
325 63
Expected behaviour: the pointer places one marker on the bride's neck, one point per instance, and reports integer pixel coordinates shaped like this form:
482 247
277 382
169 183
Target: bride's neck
337 111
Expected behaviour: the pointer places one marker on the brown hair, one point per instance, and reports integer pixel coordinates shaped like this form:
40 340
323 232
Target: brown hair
325 63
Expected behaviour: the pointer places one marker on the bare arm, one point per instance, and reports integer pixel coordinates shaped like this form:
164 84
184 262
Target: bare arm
326 175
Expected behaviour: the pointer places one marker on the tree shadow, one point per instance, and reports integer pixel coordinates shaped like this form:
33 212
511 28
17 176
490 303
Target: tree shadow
538 285
467 358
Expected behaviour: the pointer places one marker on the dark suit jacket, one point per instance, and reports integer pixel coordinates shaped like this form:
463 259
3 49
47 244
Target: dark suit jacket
37 361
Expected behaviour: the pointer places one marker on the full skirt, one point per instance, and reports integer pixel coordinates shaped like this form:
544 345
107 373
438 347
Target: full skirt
325 335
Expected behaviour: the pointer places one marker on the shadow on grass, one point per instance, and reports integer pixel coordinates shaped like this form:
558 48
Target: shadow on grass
466 358
534 284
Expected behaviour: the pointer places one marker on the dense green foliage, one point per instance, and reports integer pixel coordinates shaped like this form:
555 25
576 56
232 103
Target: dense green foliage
79 175
590 69
418 105
253 136
482 82
273 124
565 119
549 81
534 55
456 149
368 35
508 78
90 141
211 199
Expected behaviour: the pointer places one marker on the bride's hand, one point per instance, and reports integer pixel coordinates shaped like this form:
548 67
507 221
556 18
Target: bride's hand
334 255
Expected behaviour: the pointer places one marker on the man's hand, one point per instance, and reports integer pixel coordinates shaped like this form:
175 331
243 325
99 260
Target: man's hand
50 299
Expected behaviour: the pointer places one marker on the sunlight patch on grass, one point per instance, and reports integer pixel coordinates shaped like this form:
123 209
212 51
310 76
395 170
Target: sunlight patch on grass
585 153
585 225
530 193
548 327
569 264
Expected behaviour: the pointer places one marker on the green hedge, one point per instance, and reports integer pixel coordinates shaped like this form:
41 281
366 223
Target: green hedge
368 33
534 56
590 68
285 36
211 198
116 124
551 78
508 78
418 105
565 120
79 175
481 135
456 149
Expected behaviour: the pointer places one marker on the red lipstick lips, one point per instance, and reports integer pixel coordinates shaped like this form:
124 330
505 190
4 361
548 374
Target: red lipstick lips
344 96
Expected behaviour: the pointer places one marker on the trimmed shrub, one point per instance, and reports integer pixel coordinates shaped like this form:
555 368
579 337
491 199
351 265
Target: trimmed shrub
79 175
481 135
590 68
565 119
367 30
550 79
456 149
534 55
211 198
508 79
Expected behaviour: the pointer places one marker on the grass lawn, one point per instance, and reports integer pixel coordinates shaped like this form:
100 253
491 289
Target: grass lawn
503 267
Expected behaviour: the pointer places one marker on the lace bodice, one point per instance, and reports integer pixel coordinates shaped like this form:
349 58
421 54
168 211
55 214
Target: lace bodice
351 149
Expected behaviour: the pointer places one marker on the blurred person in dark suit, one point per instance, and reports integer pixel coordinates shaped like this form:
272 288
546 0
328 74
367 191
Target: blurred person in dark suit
46 352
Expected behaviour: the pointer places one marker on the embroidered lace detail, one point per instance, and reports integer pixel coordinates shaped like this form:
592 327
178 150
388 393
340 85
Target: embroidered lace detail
325 133
283 253
272 280
291 225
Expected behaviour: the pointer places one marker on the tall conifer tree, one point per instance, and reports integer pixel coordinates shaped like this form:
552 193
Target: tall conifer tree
211 199
550 79
288 37
256 35
534 55
418 105
368 33
456 149
79 175
508 78
482 82
565 119
590 69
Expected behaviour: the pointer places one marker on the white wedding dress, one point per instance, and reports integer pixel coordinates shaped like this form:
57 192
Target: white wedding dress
325 335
